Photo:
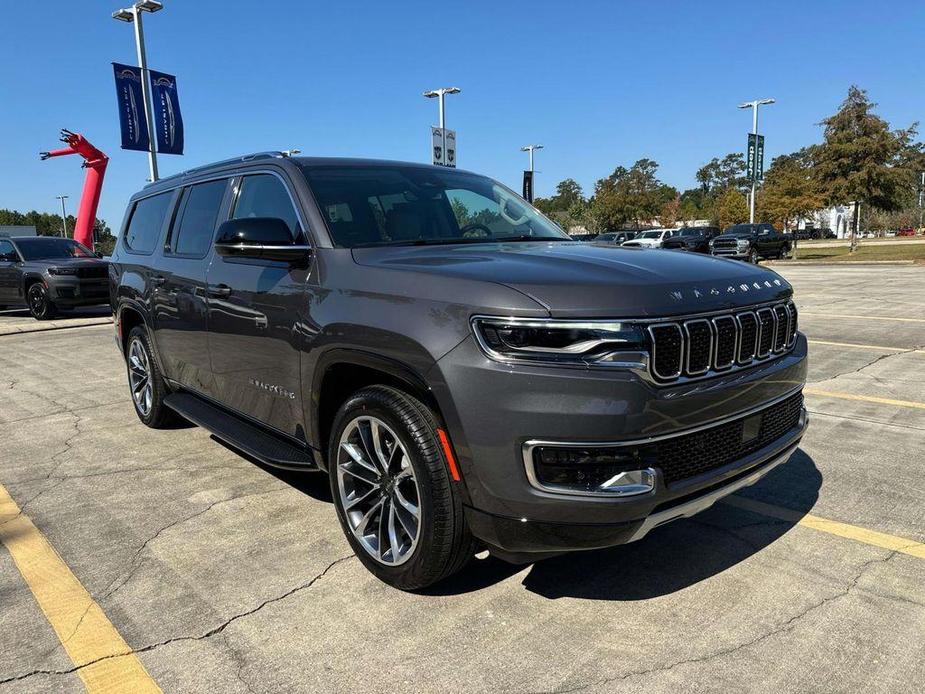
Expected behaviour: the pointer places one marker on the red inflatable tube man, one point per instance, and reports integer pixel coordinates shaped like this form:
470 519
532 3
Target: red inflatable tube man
95 163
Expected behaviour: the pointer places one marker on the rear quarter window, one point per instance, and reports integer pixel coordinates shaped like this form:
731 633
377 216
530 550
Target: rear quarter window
146 222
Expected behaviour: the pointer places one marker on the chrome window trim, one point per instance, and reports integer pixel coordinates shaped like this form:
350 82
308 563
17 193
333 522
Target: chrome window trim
531 444
680 355
736 338
687 345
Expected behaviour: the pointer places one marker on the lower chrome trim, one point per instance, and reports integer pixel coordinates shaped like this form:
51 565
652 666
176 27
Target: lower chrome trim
701 503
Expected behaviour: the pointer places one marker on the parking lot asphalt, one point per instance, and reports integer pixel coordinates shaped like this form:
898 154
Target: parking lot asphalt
216 574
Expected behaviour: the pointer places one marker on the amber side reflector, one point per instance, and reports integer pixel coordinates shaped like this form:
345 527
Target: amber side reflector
448 452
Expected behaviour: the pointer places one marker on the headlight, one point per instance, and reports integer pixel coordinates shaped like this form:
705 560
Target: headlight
711 243
742 243
62 271
575 342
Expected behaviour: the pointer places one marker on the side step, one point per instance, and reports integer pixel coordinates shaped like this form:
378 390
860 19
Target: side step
238 433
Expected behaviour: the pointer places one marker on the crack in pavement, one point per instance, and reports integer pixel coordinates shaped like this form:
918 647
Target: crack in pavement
206 635
115 585
64 410
876 360
784 627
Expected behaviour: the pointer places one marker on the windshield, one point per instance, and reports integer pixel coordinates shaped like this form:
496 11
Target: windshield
49 248
740 229
650 235
391 204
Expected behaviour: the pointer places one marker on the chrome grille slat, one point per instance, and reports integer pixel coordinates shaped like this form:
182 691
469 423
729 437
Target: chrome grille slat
706 344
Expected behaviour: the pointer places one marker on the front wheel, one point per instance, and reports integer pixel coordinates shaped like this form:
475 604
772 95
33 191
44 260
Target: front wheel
145 381
396 502
40 304
753 256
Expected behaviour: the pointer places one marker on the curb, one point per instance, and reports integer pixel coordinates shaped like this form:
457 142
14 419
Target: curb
43 329
838 263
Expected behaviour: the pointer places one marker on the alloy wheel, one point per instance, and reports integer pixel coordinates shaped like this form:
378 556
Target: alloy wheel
37 300
139 376
378 490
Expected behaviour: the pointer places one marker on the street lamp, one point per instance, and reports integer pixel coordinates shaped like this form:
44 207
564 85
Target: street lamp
531 149
62 198
753 105
439 94
132 15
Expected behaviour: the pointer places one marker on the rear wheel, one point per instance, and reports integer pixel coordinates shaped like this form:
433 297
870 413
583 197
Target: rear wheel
396 503
40 304
146 383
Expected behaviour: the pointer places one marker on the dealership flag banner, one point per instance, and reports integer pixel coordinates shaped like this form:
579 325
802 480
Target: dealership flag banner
168 123
132 120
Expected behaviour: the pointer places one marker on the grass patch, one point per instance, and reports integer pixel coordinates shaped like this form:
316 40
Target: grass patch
866 252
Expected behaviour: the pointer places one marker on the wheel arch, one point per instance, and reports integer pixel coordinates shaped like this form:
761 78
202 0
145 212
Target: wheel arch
341 372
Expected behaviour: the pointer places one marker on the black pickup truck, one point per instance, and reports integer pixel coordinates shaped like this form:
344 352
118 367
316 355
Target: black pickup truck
751 242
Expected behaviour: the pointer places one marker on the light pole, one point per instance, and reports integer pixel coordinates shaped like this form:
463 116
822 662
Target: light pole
753 105
531 149
439 94
62 198
133 15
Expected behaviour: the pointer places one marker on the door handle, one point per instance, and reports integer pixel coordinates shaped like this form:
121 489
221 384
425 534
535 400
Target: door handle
220 291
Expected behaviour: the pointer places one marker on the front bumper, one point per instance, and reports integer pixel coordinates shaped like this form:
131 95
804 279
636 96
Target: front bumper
737 253
492 410
74 291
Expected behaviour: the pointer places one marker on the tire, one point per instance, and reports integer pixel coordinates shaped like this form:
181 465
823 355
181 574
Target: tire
753 256
39 303
407 465
149 401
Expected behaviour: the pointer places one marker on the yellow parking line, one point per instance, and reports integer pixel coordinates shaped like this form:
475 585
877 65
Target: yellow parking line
105 661
851 532
864 398
846 315
879 348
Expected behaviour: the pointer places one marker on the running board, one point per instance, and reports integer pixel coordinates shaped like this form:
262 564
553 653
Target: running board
238 433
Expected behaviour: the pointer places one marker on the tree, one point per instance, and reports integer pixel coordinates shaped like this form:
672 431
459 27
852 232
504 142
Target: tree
790 189
862 160
719 175
669 214
732 208
49 224
633 194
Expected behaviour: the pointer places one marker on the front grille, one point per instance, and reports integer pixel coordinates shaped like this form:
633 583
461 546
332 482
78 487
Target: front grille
733 244
693 454
696 346
93 272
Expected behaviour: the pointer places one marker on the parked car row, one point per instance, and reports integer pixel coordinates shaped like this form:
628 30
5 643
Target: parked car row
751 242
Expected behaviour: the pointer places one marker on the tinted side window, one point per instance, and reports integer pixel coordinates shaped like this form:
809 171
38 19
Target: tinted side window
264 195
6 248
146 222
194 227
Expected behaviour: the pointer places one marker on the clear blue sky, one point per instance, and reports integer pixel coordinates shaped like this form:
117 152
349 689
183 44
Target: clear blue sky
600 83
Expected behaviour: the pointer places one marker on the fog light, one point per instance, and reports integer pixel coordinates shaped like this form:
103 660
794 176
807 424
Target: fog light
597 471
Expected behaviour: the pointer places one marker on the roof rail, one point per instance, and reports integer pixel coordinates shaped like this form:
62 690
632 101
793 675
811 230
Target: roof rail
256 156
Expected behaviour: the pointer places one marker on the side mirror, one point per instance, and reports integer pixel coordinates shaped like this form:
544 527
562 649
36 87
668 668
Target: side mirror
268 238
98 254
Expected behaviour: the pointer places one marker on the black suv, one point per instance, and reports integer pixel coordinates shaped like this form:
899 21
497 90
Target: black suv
45 273
751 242
695 239
466 374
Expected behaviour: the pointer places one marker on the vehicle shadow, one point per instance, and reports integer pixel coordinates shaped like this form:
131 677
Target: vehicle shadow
100 311
670 558
310 482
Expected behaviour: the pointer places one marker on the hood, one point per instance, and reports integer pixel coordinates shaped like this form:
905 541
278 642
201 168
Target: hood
69 262
583 280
